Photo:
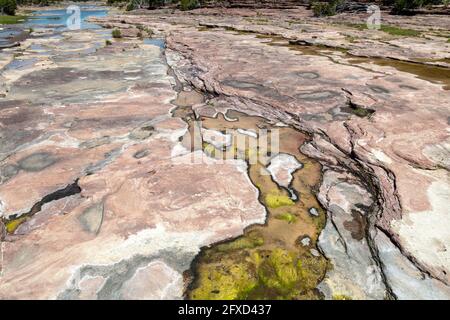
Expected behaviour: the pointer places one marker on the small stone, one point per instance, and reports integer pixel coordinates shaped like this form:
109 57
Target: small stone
306 241
315 253
141 154
314 212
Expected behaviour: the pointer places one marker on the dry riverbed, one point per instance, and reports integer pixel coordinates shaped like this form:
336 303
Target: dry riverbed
100 198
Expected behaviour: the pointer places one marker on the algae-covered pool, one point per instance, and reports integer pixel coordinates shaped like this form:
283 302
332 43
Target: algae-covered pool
277 260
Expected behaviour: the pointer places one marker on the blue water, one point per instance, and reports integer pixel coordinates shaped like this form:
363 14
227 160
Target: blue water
156 42
58 18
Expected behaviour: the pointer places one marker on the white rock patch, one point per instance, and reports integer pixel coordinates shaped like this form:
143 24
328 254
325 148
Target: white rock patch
281 168
426 234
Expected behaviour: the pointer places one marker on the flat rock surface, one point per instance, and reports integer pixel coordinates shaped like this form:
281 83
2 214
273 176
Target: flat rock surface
87 146
342 85
100 199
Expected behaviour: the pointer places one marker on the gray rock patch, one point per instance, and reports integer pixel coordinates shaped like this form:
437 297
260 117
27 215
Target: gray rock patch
316 95
141 154
308 75
7 172
378 89
37 161
142 133
93 143
116 275
91 219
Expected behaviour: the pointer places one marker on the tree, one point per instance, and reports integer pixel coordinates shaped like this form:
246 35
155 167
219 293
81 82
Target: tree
8 7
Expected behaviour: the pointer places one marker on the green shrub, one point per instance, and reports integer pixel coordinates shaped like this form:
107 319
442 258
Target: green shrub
8 7
402 6
116 33
130 6
113 2
189 4
108 42
321 9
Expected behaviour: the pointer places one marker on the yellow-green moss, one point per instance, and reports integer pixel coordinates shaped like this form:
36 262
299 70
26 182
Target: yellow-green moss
12 225
392 30
341 297
279 270
244 242
276 200
288 217
209 149
289 275
228 282
261 274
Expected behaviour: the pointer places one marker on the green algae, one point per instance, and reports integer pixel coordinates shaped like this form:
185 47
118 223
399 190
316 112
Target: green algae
13 224
267 261
275 200
259 274
279 271
209 149
288 217
397 31
341 297
252 240
390 29
227 282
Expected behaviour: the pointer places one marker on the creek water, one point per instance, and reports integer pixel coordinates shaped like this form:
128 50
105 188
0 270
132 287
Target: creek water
58 18
55 19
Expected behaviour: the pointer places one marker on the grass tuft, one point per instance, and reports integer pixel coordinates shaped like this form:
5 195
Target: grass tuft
116 33
392 30
12 19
